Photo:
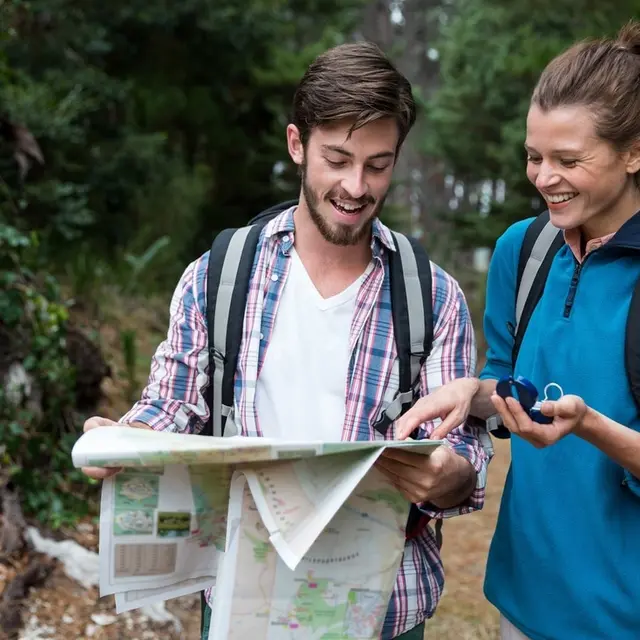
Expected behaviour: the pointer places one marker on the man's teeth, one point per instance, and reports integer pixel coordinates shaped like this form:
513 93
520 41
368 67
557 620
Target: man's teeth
560 197
347 208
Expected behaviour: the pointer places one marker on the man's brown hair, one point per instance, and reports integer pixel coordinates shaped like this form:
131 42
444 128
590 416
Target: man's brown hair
353 82
603 76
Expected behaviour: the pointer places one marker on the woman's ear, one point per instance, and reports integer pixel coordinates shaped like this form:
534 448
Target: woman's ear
633 159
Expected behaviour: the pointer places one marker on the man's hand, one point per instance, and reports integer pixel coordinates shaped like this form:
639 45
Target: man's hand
568 414
443 478
450 402
98 473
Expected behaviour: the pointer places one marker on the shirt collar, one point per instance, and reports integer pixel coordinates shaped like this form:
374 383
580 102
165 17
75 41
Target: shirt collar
573 239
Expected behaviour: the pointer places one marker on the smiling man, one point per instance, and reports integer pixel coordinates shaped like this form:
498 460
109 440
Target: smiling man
318 359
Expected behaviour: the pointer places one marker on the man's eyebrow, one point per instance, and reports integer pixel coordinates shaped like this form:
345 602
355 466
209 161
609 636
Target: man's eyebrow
348 154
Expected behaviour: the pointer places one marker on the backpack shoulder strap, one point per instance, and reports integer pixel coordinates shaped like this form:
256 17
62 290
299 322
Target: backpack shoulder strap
412 310
632 345
540 244
230 263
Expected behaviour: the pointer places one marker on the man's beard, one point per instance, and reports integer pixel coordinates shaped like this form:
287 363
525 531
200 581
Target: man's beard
341 234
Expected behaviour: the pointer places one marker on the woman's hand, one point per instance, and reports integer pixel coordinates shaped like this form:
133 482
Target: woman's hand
568 415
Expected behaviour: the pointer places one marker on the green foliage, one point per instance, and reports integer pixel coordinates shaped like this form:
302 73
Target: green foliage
35 437
491 53
138 264
155 120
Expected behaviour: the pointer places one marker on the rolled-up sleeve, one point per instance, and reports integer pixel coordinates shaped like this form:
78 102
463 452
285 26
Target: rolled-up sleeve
174 396
454 356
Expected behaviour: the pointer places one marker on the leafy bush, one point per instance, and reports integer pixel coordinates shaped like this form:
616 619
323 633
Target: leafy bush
36 429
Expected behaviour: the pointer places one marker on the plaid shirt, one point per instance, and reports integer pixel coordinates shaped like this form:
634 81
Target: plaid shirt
174 396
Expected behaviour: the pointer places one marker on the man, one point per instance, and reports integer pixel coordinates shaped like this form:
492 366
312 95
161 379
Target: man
318 354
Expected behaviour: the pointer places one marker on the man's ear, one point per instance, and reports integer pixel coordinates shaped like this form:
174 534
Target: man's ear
294 144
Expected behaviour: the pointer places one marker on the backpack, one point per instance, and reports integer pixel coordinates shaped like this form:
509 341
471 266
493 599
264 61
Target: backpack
541 243
230 263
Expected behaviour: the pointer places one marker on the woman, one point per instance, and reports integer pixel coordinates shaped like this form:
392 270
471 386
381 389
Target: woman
564 562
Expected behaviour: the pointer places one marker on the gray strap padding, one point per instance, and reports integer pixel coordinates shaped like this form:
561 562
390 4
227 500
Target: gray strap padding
538 252
494 422
415 303
415 308
223 306
394 408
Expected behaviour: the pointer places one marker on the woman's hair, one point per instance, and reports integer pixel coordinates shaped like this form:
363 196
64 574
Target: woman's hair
353 82
603 76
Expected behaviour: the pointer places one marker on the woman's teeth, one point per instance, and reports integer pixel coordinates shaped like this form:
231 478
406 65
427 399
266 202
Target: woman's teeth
557 198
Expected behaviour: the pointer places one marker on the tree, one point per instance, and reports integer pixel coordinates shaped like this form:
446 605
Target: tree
156 120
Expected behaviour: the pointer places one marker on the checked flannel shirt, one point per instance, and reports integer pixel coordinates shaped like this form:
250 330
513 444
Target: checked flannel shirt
174 397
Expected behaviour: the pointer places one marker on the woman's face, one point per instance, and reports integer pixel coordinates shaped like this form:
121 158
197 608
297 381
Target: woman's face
585 182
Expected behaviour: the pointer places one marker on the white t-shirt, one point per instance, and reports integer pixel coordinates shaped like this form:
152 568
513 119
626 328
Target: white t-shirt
301 390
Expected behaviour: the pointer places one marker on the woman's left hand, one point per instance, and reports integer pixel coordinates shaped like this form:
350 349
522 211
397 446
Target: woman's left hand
568 414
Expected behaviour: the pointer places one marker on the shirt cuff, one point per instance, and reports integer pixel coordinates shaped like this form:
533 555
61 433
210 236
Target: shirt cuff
154 416
479 460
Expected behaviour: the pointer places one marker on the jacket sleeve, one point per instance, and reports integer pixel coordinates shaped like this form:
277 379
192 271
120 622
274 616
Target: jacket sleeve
500 303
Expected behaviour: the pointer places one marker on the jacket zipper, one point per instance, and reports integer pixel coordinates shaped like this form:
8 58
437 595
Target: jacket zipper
573 287
575 279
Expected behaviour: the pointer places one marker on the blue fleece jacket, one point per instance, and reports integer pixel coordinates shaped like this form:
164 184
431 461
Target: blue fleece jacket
564 562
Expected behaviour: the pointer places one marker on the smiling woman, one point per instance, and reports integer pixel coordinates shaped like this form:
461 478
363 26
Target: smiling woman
585 181
583 135
563 561
569 512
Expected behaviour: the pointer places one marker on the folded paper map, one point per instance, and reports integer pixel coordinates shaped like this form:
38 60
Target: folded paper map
289 539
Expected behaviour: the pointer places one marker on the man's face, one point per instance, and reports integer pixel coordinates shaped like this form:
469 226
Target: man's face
345 179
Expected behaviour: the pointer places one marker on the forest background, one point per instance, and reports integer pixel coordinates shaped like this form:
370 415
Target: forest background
132 132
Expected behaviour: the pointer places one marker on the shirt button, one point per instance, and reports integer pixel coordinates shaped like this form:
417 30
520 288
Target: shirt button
274 277
262 336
